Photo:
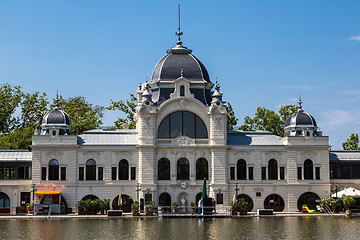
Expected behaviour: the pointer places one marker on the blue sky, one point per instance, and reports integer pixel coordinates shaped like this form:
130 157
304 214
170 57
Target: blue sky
264 53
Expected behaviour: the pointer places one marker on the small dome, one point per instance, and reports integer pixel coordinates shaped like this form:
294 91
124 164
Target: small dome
300 119
179 62
56 116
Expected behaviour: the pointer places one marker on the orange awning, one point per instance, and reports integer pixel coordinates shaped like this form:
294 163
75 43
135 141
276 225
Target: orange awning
47 192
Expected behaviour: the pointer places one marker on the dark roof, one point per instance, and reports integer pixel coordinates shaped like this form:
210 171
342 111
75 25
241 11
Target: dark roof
56 116
300 118
169 68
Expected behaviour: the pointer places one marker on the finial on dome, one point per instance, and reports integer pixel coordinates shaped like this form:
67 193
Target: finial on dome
217 86
139 87
57 99
300 102
179 33
182 72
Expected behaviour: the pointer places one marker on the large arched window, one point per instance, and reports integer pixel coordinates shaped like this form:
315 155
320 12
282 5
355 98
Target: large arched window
164 169
273 170
91 169
308 170
183 169
202 169
54 170
123 170
182 123
241 169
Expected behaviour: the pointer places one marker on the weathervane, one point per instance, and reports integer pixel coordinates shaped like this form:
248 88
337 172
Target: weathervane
179 33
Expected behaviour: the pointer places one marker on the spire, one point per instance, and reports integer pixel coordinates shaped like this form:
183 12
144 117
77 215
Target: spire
57 99
179 33
217 86
300 102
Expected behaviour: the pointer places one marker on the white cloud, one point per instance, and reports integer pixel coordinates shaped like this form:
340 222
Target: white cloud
352 92
337 117
355 38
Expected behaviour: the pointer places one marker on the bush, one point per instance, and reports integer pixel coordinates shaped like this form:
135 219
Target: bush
242 205
135 207
336 206
149 206
327 202
349 202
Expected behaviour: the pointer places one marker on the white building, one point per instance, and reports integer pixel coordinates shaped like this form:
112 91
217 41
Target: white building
181 138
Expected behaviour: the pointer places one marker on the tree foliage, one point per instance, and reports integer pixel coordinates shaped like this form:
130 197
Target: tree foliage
83 115
352 143
128 107
231 119
269 120
10 98
17 139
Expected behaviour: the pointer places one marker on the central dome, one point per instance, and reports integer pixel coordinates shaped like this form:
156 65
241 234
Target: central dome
180 62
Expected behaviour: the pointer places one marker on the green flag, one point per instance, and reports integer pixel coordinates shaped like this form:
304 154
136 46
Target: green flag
204 195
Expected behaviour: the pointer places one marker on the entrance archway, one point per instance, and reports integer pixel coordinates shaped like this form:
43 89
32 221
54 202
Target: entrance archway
4 203
165 202
274 202
310 199
122 202
197 198
248 200
92 197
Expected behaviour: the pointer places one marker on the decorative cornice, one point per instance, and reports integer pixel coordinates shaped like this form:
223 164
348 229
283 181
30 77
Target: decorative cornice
54 155
273 155
91 155
242 155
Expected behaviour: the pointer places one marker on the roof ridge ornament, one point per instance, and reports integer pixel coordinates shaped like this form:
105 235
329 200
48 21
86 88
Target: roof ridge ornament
57 100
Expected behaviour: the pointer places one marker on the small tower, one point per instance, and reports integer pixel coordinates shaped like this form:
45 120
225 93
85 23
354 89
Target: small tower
301 123
56 122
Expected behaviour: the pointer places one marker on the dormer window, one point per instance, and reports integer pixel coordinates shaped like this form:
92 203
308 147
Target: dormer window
182 91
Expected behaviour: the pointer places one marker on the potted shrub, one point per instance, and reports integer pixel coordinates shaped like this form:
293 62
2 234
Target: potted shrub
234 208
348 203
242 205
105 206
174 207
193 207
149 208
336 207
327 202
30 208
135 208
81 207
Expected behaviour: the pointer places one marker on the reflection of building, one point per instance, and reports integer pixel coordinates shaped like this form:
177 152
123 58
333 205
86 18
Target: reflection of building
181 138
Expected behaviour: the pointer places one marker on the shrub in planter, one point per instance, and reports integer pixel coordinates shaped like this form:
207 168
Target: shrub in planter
348 203
149 208
336 207
174 207
242 205
135 208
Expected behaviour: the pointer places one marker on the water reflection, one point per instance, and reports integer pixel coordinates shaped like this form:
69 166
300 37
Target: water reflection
237 228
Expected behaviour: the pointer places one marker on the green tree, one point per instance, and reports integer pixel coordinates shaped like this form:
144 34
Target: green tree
83 115
10 99
352 143
33 109
269 120
17 139
128 107
231 119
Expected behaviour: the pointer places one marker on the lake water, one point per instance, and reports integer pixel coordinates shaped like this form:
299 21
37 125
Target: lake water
158 228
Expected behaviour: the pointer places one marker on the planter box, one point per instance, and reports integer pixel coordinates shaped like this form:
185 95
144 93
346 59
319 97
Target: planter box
149 214
234 213
136 214
243 213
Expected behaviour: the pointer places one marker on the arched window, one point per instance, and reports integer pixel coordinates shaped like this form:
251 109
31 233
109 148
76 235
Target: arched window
4 203
123 170
308 170
165 200
273 170
54 170
274 202
164 169
182 123
182 91
183 169
202 169
91 169
241 169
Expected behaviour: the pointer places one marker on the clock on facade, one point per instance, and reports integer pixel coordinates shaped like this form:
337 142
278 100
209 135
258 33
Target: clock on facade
183 184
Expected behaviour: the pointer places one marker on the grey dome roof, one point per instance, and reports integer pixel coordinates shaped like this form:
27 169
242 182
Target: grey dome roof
56 116
300 119
179 60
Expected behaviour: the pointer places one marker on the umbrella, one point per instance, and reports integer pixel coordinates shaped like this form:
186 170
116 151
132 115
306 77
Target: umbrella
204 195
347 192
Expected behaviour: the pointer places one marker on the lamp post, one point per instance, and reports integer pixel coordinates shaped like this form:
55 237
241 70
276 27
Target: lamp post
138 189
33 198
236 191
